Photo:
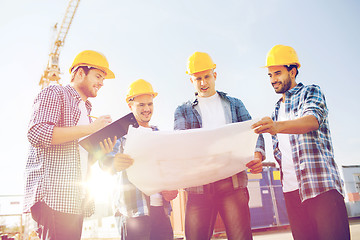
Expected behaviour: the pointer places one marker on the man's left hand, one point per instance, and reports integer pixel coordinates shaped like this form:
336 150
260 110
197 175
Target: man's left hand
256 164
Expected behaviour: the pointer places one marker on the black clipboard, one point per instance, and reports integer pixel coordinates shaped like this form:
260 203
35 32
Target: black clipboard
118 128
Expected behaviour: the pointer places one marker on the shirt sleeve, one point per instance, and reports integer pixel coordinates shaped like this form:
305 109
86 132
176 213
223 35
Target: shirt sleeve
45 116
179 119
243 114
315 104
260 146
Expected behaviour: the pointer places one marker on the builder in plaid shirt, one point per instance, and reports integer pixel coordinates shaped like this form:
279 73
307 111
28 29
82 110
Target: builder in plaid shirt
139 217
303 148
57 166
228 196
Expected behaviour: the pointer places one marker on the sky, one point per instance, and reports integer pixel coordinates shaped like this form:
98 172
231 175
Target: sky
152 39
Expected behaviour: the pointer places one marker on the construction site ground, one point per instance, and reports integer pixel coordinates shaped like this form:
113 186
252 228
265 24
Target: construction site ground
284 233
278 233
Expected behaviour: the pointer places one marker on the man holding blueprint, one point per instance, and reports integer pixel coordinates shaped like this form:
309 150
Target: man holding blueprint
212 109
139 216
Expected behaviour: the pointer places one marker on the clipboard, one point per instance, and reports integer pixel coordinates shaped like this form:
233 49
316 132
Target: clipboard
118 128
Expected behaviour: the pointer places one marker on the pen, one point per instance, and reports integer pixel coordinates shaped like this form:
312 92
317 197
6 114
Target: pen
92 116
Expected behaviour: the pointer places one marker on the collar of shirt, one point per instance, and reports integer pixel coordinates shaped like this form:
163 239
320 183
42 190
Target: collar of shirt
196 101
291 92
77 96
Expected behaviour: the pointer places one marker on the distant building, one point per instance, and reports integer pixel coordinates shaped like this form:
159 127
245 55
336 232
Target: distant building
351 175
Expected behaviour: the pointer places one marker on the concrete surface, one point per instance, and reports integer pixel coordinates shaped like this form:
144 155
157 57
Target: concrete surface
284 233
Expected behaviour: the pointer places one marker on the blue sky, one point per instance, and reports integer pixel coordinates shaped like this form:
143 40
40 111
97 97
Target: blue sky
151 39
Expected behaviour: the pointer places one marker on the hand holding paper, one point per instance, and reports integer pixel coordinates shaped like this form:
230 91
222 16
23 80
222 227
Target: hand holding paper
256 164
168 160
122 161
169 195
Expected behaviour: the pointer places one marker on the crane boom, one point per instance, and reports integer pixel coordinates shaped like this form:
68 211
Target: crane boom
52 70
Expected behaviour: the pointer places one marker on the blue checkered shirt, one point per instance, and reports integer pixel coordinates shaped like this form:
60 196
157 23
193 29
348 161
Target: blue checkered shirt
312 153
188 117
128 199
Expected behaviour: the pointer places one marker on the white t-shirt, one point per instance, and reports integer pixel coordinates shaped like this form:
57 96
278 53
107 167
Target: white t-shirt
289 176
156 200
84 155
212 111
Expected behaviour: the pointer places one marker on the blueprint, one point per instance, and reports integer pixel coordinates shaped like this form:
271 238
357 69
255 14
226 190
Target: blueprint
170 160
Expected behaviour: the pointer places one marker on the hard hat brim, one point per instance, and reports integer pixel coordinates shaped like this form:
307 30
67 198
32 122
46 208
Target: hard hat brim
200 70
109 73
285 64
147 93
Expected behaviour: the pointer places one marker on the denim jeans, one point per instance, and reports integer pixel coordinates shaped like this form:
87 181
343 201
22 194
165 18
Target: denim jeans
219 197
157 226
322 217
55 225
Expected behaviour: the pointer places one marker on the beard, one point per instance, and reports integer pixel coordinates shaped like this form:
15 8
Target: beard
87 88
284 86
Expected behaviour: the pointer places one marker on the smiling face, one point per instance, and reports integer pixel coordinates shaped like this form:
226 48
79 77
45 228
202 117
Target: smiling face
281 79
204 82
88 85
142 107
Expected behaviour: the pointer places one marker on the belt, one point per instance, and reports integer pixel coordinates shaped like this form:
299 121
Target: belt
211 187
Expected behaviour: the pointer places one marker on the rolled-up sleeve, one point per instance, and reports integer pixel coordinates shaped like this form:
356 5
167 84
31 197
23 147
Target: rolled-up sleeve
45 116
260 146
315 104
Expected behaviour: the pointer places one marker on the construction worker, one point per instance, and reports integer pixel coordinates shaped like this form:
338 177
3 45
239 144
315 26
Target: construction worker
57 166
302 146
138 216
229 196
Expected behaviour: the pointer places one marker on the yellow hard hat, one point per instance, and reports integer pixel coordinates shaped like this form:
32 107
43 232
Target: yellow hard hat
282 55
92 59
198 62
139 87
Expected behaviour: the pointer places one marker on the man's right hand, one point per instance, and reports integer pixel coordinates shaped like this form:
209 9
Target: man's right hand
122 161
65 134
265 125
100 123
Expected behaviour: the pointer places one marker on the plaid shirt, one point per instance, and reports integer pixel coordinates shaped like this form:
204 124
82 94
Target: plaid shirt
53 172
187 116
128 200
312 153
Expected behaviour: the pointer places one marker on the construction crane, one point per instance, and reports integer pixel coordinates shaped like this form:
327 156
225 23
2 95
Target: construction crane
52 70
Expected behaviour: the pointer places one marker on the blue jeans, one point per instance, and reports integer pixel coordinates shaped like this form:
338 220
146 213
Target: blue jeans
157 226
219 197
323 217
55 225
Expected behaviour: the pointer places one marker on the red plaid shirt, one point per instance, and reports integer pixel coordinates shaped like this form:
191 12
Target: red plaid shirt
53 172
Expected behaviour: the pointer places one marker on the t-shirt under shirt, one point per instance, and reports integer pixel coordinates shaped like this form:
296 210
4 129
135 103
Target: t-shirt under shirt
289 176
84 155
212 111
